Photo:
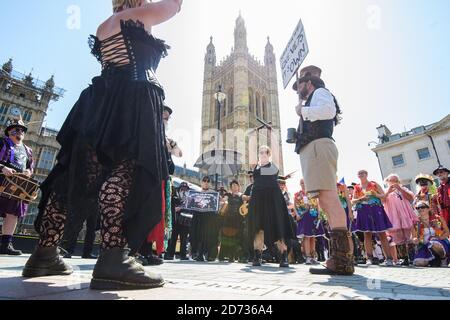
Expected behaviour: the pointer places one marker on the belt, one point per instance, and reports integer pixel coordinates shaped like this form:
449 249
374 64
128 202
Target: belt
132 73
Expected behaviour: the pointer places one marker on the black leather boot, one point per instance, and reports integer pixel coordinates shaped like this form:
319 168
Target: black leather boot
116 270
284 263
154 260
257 259
46 261
8 249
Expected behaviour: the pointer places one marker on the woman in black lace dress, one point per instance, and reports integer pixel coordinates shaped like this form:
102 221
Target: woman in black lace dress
112 156
269 220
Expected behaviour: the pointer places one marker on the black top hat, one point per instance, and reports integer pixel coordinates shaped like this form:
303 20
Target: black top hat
316 81
441 168
15 123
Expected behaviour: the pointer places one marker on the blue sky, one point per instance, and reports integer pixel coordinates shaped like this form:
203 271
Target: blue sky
394 72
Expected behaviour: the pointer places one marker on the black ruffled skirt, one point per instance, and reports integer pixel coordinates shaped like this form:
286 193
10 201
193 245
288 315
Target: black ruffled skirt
205 230
268 212
119 119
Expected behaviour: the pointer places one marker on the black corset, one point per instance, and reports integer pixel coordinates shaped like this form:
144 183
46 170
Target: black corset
133 50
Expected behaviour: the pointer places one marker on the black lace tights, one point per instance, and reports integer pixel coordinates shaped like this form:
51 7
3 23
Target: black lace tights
112 198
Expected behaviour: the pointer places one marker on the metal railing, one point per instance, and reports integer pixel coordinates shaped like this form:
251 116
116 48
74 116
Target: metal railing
36 83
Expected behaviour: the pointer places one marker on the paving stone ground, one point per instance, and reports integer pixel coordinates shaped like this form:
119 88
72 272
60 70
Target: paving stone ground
190 280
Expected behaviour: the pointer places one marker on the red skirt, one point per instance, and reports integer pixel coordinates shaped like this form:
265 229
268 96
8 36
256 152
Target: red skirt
157 234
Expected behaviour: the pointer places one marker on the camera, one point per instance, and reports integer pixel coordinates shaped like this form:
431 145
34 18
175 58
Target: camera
291 136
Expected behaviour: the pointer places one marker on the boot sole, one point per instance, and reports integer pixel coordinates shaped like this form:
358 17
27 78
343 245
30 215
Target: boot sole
115 285
36 273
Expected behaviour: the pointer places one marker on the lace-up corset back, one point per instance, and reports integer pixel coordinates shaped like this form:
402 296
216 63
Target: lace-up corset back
132 47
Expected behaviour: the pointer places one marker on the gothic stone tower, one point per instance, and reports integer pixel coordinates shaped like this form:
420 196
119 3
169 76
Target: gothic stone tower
252 93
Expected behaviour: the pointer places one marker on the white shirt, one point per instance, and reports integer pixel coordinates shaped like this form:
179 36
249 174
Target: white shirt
322 107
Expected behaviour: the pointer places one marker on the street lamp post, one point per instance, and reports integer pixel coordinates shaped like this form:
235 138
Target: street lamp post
220 97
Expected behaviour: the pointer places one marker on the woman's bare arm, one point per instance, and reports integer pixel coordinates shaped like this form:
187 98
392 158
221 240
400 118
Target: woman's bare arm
152 14
380 192
406 193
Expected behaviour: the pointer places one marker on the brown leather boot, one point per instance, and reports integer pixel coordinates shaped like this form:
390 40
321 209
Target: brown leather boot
341 257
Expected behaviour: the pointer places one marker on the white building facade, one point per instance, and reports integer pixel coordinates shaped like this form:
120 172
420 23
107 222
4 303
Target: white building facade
420 150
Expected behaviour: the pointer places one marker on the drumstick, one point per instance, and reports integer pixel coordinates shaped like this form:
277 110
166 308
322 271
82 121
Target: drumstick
289 175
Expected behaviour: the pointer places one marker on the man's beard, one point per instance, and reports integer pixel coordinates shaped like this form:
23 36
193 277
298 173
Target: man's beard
304 94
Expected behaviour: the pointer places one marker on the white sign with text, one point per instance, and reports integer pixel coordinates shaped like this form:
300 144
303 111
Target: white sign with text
294 54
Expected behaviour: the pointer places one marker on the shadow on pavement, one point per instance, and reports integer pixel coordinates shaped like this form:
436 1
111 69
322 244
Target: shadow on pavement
29 289
364 284
269 268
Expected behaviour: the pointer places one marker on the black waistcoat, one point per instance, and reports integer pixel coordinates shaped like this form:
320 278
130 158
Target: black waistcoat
313 130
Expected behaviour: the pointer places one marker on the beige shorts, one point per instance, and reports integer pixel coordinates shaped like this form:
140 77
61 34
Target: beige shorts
319 166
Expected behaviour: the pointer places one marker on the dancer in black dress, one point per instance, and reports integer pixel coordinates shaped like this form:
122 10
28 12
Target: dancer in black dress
205 231
113 151
268 213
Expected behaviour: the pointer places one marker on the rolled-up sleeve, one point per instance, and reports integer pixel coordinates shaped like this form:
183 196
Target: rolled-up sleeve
298 108
322 107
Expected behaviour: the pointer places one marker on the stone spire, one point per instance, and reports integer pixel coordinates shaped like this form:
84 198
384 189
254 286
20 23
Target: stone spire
210 57
269 55
50 84
240 35
29 78
8 67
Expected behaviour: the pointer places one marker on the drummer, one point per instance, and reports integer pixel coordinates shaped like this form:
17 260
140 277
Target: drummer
15 157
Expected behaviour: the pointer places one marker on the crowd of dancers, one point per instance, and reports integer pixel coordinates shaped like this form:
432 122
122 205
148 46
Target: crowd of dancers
391 226
116 163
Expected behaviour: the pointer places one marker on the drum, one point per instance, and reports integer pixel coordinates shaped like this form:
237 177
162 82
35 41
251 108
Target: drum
19 187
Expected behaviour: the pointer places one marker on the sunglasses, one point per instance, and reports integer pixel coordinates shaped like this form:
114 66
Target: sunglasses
422 208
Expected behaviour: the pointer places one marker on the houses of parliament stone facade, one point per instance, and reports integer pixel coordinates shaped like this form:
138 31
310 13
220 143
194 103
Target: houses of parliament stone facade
251 90
30 98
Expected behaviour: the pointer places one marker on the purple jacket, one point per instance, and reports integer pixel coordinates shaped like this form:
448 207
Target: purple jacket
7 153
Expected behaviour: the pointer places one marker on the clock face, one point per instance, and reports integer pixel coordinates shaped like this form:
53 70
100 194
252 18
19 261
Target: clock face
15 111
